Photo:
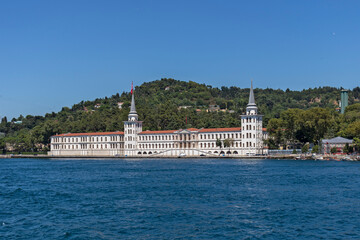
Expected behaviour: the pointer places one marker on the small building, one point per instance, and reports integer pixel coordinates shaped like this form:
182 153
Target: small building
120 104
338 142
167 88
213 108
98 105
184 107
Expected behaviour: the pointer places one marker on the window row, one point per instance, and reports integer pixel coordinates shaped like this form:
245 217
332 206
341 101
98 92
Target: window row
88 146
86 139
212 145
155 138
220 136
249 120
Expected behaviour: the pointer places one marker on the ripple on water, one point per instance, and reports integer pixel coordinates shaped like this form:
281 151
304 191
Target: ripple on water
178 199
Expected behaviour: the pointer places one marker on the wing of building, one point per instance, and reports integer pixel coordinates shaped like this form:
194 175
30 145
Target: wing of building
134 142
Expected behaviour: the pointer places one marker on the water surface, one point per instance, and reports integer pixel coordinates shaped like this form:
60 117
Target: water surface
179 199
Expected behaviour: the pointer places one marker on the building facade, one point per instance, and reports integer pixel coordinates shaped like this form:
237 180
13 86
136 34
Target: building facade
246 140
337 142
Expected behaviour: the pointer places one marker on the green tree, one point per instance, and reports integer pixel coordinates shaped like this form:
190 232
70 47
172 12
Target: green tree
228 142
356 144
2 145
4 120
352 130
305 148
315 149
218 143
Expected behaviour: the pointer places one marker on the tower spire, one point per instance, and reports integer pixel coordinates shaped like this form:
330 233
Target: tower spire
133 116
251 96
132 108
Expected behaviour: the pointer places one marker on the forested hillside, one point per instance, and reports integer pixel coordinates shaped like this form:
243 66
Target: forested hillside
173 104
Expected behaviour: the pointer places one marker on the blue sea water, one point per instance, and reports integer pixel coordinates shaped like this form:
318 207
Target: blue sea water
179 199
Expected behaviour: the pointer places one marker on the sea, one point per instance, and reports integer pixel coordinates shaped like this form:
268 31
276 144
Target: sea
179 199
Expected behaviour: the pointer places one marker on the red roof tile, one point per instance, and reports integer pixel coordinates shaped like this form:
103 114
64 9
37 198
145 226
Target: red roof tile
158 132
192 129
237 129
88 134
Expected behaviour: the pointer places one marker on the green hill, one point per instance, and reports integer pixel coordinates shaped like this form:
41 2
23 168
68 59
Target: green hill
166 104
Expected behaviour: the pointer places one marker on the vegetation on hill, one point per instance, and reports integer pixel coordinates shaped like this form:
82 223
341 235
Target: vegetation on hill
307 115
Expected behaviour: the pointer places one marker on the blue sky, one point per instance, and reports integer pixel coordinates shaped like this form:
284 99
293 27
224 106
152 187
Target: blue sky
57 53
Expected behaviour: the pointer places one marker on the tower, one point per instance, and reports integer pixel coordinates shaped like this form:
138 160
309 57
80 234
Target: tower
344 100
251 127
131 129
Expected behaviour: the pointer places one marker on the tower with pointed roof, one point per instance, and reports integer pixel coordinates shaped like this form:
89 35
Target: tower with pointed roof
132 127
251 127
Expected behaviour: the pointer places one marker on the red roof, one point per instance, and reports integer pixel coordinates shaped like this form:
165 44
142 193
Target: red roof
237 129
158 132
89 134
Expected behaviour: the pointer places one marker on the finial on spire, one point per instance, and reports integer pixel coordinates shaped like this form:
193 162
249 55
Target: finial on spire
251 96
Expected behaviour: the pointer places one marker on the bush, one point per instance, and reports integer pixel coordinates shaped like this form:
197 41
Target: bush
315 149
305 148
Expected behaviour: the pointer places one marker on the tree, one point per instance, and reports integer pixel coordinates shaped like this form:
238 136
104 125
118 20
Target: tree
4 120
352 130
305 148
2 146
356 143
218 143
228 142
290 119
315 149
276 131
294 151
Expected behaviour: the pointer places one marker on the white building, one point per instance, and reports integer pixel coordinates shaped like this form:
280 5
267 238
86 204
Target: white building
134 142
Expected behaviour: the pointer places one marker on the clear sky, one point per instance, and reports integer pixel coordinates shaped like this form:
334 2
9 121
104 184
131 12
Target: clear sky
57 53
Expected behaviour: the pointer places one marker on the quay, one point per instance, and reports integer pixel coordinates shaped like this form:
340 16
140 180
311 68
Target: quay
274 157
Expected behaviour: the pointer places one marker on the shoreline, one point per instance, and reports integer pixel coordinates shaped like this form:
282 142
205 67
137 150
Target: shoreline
282 157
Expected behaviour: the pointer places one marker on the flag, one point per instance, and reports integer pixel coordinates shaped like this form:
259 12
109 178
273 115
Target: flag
132 88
